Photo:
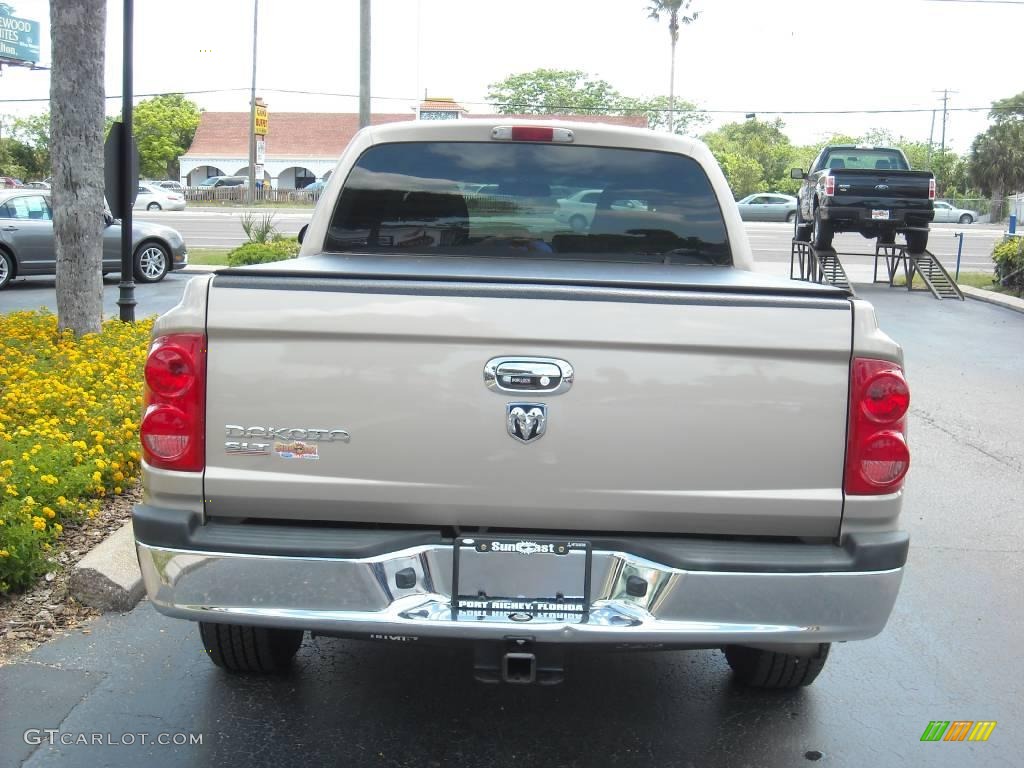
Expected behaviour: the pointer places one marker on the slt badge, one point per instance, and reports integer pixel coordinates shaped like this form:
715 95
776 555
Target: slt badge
526 421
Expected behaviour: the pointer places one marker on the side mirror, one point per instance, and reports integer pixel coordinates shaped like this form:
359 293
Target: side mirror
797 173
302 232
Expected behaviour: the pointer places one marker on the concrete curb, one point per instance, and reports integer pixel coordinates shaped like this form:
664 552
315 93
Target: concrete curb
991 297
108 577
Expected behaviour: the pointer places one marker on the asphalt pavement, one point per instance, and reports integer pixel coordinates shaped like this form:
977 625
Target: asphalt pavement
952 650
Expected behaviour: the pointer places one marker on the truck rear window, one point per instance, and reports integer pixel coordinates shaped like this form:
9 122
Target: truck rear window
529 200
866 159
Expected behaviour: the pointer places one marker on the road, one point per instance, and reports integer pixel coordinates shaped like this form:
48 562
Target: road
947 654
212 228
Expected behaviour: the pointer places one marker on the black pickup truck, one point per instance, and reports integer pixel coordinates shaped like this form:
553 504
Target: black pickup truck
870 190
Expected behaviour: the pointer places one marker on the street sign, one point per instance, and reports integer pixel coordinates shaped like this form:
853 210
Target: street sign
117 201
19 38
261 151
262 120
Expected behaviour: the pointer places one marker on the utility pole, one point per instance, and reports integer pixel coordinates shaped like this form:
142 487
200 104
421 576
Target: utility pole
931 139
945 112
129 171
252 109
364 63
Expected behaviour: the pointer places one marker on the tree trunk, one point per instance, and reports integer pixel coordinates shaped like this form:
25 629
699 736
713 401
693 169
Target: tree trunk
77 36
996 214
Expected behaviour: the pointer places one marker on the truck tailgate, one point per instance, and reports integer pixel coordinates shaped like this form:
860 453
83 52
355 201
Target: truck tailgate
710 413
882 183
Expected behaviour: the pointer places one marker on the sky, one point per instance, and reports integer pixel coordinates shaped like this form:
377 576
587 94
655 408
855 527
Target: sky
761 56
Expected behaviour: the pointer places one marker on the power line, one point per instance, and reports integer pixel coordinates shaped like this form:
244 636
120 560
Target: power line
137 95
569 108
980 2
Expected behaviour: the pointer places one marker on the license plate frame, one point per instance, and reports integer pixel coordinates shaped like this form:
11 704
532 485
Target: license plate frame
494 578
878 214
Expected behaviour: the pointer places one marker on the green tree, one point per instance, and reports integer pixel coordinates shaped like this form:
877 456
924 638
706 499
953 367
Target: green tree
996 163
164 127
761 141
552 92
573 92
687 117
675 10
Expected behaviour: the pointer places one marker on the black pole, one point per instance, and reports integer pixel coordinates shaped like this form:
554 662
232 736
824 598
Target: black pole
126 288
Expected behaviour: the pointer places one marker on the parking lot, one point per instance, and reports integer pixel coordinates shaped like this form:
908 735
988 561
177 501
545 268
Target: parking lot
947 654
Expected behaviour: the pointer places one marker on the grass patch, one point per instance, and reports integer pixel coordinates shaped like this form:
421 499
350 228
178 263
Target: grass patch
209 256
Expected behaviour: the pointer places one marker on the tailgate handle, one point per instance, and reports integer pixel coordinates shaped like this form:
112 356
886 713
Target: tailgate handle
536 375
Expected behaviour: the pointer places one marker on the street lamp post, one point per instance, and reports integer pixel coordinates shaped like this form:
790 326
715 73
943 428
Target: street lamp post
126 288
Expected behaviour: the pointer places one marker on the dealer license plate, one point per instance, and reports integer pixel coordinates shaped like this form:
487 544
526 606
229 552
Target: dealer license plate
500 578
883 215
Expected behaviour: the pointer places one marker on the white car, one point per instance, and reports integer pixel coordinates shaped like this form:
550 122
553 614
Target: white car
950 214
154 198
577 210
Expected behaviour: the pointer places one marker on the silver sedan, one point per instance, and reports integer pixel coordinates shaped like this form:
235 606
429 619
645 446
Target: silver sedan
767 206
27 247
950 214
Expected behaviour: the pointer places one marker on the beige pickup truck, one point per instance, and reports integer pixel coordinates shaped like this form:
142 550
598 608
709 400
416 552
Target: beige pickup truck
455 418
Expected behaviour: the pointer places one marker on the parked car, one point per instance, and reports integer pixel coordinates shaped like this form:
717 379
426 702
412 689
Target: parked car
9 182
870 190
174 186
215 182
498 434
577 210
767 206
37 185
154 198
27 248
947 213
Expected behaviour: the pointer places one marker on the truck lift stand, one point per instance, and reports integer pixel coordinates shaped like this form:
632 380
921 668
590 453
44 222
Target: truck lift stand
925 264
818 266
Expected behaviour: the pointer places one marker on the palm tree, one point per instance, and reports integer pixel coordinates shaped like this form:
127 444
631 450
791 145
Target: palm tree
997 162
676 10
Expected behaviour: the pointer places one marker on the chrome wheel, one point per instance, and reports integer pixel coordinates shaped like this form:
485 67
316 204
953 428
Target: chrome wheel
5 269
153 207
151 263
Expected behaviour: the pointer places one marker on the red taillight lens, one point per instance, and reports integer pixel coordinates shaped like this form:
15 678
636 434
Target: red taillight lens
532 133
173 422
886 397
877 457
830 185
931 189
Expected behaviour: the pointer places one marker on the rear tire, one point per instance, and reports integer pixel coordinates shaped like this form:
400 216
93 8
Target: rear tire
6 268
154 207
250 650
578 223
823 232
791 217
967 219
917 241
801 229
757 668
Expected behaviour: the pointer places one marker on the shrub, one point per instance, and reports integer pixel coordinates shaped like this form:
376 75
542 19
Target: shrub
1009 258
261 253
69 421
259 228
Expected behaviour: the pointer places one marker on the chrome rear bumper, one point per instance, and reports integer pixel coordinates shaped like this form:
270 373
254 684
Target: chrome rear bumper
358 597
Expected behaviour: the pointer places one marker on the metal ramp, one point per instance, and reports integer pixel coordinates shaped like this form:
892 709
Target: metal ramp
818 266
932 273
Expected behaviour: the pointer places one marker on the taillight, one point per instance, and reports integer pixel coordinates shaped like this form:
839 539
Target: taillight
877 456
931 189
531 133
173 420
830 185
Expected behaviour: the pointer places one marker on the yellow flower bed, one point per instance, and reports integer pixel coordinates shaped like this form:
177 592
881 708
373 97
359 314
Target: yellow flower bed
69 423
